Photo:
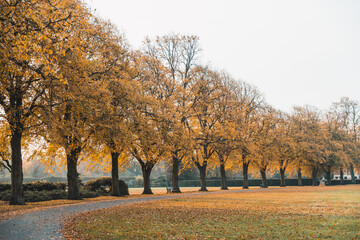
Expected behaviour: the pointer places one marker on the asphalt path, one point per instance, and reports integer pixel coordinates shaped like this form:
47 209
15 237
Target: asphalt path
47 223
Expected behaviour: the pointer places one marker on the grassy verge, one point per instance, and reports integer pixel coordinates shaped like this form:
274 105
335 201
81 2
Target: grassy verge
8 211
290 213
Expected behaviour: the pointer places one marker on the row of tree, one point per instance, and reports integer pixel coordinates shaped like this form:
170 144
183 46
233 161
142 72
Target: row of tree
71 82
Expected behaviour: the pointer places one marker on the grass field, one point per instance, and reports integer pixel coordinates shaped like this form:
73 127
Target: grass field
8 211
281 213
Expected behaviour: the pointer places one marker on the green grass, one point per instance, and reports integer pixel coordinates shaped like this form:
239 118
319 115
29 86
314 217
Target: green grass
290 213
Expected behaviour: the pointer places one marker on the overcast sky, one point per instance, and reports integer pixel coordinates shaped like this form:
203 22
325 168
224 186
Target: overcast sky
295 52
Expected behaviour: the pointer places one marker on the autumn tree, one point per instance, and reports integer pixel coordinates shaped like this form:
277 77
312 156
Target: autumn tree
265 150
179 55
32 34
248 102
348 113
77 105
150 115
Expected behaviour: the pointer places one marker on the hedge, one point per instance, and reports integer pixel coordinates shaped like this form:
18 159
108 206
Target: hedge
103 185
239 182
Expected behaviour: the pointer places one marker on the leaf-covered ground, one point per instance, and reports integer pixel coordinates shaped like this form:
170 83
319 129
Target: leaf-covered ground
289 213
9 211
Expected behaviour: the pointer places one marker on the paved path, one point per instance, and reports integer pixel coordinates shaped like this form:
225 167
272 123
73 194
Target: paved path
47 224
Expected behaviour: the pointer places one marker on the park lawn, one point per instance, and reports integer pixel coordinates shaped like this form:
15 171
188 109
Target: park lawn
286 213
8 211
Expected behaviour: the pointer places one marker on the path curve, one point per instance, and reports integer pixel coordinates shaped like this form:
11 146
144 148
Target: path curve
47 223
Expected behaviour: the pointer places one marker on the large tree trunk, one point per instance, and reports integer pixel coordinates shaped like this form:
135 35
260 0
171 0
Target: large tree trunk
245 175
17 192
352 172
263 177
314 173
146 171
341 176
282 177
223 174
175 174
328 176
202 170
73 175
115 174
299 177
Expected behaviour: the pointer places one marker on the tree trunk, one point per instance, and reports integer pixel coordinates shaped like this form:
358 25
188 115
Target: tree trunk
115 190
224 185
202 170
73 175
175 174
314 176
299 177
263 177
328 176
341 176
17 192
352 172
245 175
146 171
282 177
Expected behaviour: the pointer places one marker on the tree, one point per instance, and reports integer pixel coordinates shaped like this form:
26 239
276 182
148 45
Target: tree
348 112
265 154
206 94
150 114
248 102
179 55
31 39
78 104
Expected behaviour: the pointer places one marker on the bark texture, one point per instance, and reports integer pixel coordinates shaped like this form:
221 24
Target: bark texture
263 177
299 175
17 192
282 177
115 188
175 174
314 173
328 176
73 175
224 185
146 171
202 170
245 175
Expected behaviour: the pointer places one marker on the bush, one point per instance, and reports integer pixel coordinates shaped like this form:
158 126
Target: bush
5 195
57 194
36 196
89 194
5 187
103 185
43 185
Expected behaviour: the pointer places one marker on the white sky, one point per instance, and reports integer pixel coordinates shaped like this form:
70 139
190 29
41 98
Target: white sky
295 52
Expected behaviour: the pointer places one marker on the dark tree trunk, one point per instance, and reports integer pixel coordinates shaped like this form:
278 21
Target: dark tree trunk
73 175
115 174
224 185
352 173
175 174
263 177
282 177
314 173
146 171
202 170
245 175
328 176
17 192
299 177
341 176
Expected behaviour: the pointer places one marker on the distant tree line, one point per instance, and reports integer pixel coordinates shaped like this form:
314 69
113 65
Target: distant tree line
70 80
